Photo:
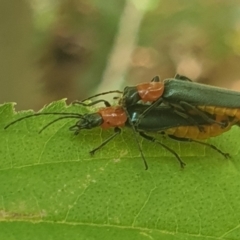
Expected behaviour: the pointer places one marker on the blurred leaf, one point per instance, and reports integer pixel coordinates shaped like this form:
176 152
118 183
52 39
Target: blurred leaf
50 188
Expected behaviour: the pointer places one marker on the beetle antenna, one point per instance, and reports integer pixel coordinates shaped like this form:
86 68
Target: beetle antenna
58 119
73 115
97 95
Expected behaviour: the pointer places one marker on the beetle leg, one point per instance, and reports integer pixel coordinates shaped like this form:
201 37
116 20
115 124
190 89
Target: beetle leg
117 131
153 105
156 79
181 77
153 139
189 119
202 114
106 103
226 155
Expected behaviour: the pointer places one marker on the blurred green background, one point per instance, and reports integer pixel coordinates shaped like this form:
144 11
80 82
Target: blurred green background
75 48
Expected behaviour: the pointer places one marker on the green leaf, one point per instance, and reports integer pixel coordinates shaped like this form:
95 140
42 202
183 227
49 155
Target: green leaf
51 188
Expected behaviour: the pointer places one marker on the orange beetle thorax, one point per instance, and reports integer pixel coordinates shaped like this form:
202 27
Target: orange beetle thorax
113 117
150 91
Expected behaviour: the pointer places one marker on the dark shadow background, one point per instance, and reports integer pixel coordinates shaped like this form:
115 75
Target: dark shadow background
74 48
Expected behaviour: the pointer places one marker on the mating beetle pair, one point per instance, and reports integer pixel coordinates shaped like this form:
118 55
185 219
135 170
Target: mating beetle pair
183 110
